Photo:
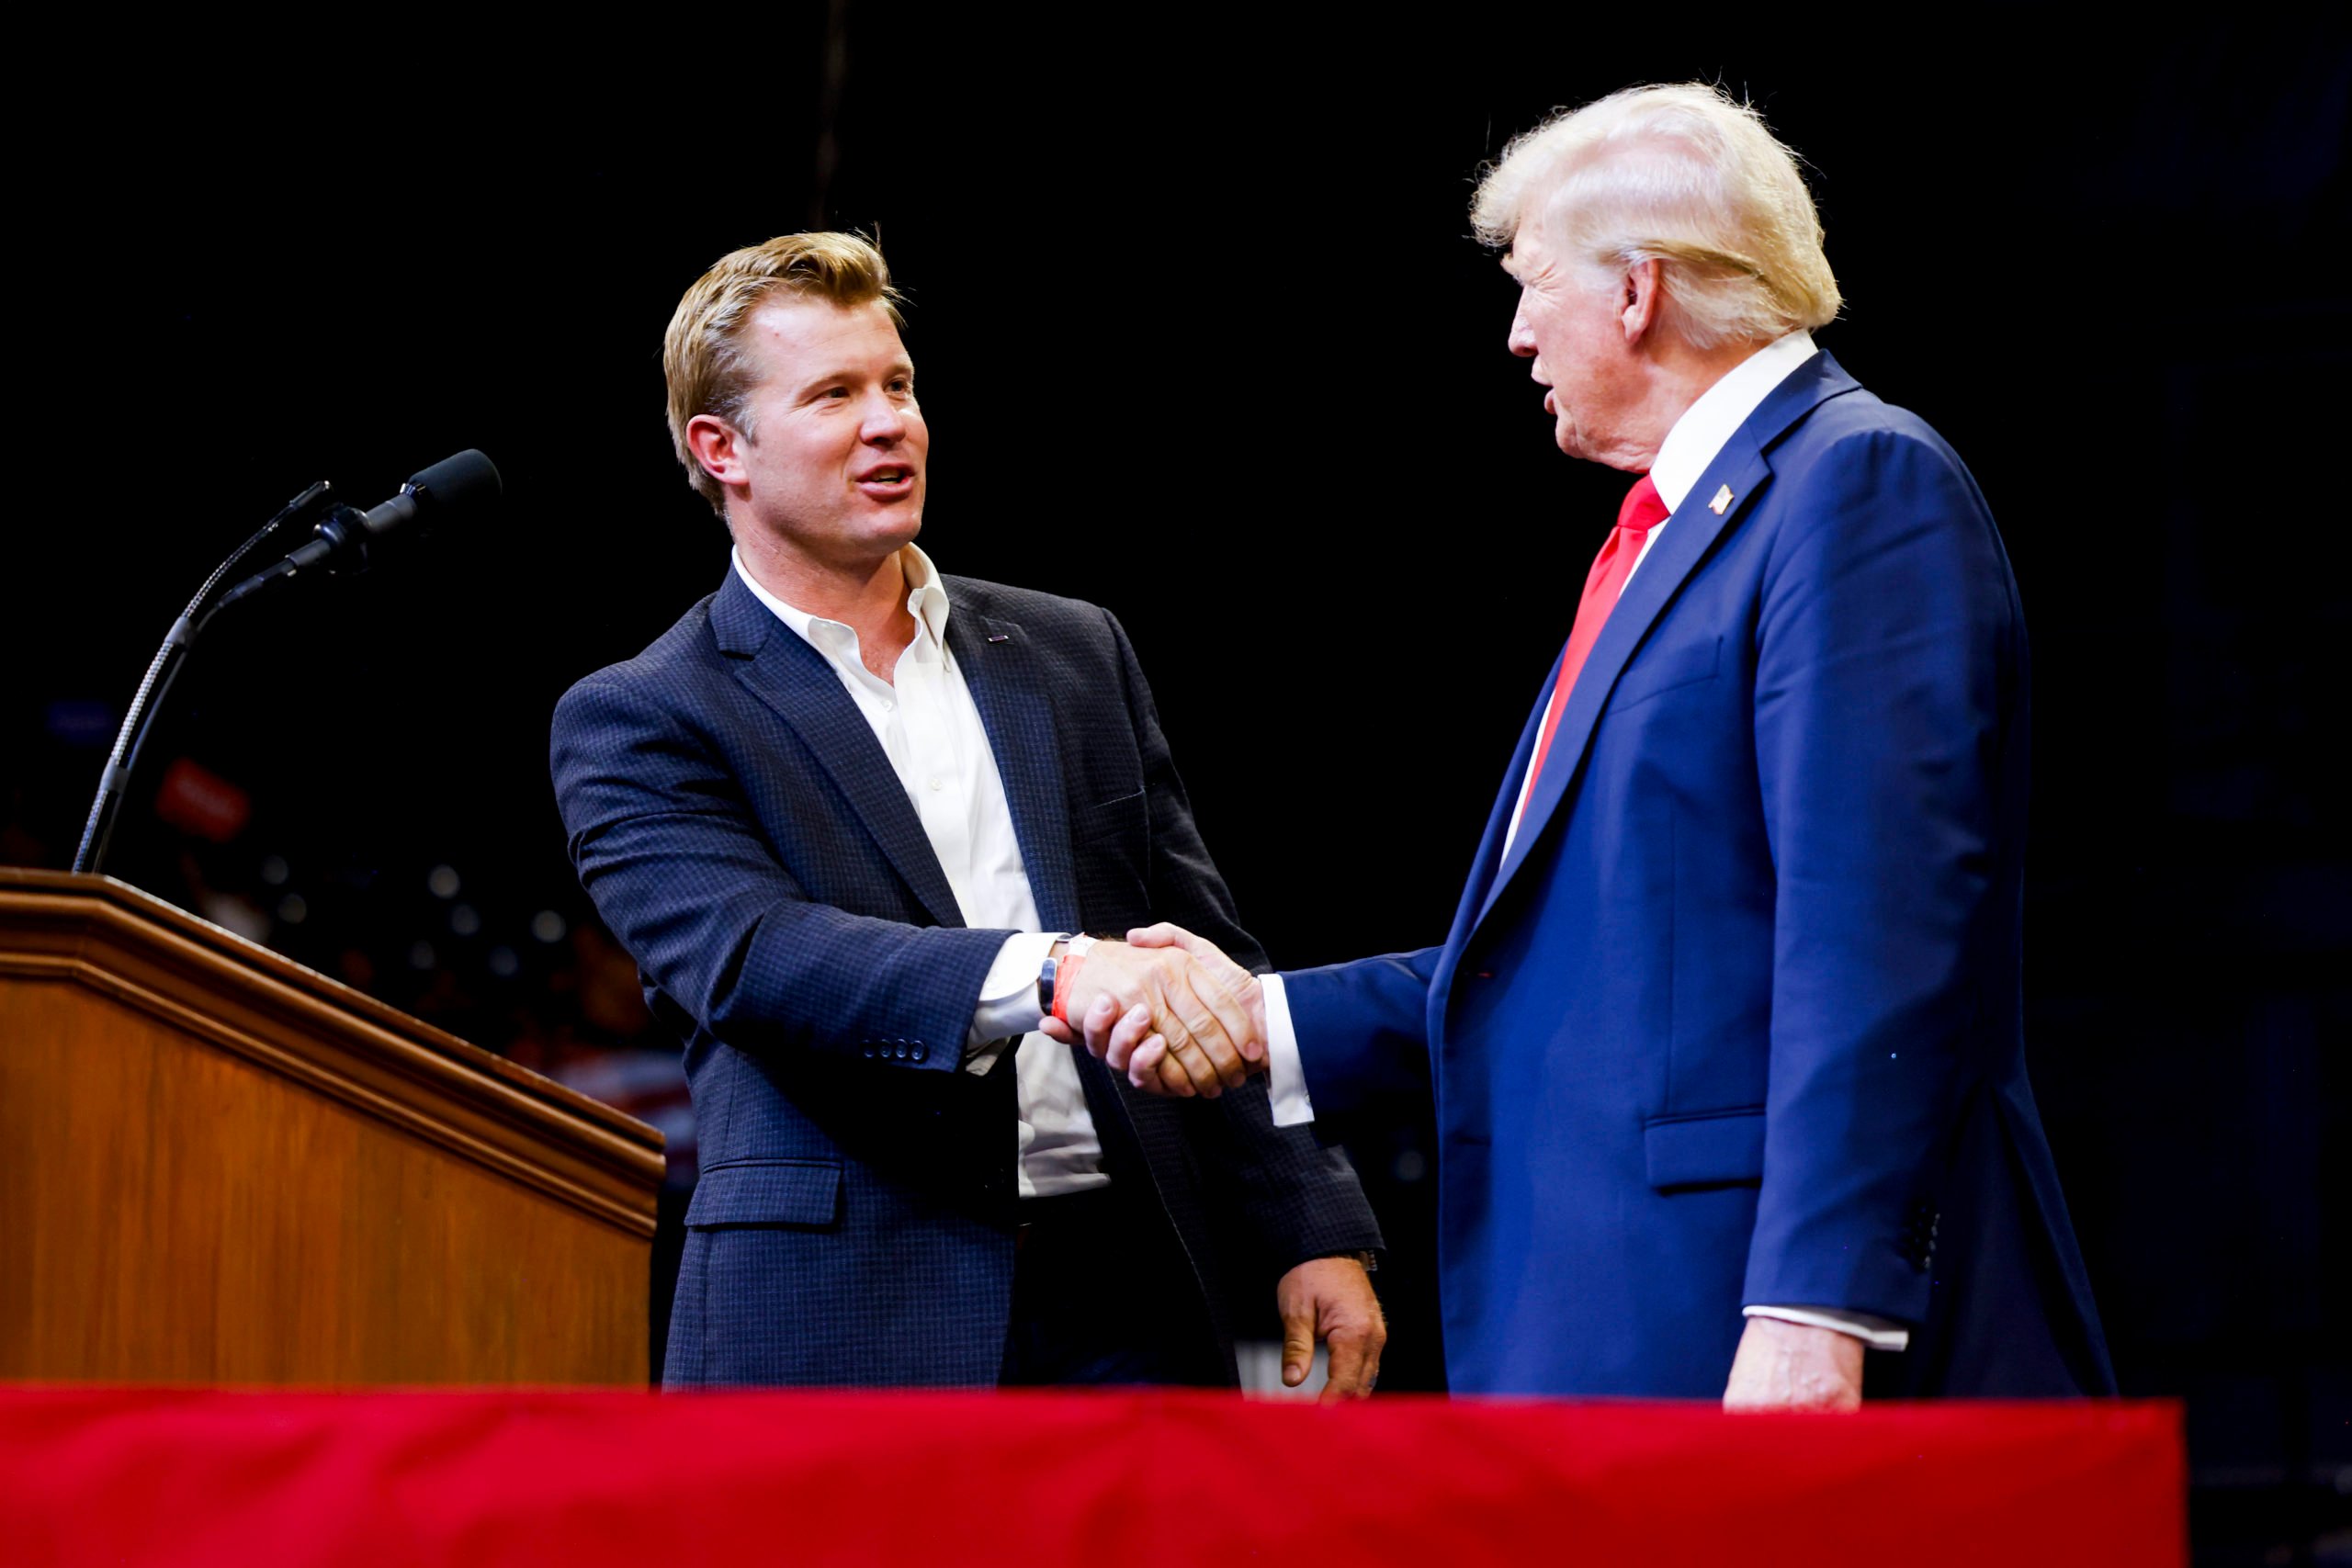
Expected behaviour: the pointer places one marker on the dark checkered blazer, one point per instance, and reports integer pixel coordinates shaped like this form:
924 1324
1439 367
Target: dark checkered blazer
742 833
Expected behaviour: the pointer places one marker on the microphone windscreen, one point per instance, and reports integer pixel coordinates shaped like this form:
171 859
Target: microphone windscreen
465 480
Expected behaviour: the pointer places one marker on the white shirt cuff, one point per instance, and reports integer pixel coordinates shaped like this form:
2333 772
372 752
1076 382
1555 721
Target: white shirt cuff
1285 1074
1007 1005
1878 1333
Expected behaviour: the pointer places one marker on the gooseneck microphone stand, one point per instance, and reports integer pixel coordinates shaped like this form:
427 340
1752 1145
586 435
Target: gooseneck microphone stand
123 761
342 541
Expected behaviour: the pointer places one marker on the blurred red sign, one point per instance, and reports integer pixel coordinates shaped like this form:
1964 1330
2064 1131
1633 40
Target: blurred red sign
196 800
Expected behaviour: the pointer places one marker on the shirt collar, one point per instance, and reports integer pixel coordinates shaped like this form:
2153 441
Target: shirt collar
1706 425
926 601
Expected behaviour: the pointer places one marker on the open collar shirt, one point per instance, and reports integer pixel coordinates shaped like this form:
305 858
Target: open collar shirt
930 729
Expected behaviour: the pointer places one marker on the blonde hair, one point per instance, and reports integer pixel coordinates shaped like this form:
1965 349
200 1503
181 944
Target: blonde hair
1684 175
702 353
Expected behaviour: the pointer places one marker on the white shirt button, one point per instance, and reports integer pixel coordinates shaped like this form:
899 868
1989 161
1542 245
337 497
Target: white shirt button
936 782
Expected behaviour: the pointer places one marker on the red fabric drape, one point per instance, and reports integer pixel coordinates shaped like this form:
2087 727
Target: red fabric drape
581 1479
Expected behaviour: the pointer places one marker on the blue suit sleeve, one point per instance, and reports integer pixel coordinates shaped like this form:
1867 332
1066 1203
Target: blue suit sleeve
666 846
1887 640
1363 1034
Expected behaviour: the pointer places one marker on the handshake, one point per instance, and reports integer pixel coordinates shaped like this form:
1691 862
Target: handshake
1167 1008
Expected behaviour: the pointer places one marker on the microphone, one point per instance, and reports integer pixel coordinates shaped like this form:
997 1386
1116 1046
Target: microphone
467 482
341 541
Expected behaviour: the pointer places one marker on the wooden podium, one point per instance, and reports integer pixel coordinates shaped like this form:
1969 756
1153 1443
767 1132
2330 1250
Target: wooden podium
218 1167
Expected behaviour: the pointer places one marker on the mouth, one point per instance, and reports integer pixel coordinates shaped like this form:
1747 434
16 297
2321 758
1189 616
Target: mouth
888 480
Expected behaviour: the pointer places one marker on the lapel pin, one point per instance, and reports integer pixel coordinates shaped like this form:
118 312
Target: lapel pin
1722 499
1000 637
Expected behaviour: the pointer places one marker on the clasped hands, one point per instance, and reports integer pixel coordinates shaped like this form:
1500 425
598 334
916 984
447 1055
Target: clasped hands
1169 1010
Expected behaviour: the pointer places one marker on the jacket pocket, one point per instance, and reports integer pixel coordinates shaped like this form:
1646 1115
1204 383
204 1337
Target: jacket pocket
1714 1148
806 1192
1112 842
1653 675
1117 818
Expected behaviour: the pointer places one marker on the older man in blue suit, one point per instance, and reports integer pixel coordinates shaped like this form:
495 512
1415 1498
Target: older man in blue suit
1725 1039
852 819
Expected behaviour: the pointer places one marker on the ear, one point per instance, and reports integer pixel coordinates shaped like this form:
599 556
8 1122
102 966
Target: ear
714 443
1642 301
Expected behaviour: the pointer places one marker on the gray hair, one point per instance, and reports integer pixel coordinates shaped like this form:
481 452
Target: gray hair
1684 175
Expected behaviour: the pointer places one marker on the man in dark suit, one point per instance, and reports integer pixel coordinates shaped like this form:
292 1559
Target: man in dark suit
1725 1039
852 819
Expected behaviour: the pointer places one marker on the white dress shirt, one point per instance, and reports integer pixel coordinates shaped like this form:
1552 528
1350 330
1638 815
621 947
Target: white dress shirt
1697 438
931 730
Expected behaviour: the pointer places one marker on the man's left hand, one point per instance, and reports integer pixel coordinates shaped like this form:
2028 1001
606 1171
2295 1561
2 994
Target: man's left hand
1794 1366
1331 1299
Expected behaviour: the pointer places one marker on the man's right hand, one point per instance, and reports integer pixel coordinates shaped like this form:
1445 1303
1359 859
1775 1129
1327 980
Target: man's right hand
1205 1029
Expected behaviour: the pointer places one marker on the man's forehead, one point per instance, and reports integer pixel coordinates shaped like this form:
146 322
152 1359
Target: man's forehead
1523 257
793 326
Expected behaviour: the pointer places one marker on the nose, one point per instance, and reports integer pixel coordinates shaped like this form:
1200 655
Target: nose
883 422
1523 336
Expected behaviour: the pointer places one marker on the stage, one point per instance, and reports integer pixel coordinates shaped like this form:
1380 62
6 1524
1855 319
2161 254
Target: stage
204 1477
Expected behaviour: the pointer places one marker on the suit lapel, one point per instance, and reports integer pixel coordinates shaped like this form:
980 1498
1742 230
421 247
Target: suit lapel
1741 470
1000 668
794 681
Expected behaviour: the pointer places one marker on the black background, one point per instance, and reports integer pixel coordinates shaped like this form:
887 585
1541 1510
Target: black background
1202 338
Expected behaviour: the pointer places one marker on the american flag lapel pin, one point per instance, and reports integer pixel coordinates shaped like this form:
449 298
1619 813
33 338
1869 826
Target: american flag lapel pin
1722 499
1000 637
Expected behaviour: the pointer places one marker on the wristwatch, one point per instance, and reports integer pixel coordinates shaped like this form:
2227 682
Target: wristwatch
1074 943
1046 985
1367 1257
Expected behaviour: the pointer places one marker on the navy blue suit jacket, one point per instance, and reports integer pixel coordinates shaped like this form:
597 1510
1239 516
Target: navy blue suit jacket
742 833
1738 1017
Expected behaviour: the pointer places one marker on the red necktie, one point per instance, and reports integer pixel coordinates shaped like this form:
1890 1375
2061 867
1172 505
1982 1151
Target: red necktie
1643 511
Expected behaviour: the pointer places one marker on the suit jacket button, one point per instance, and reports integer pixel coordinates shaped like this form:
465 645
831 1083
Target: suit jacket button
920 1052
867 1051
